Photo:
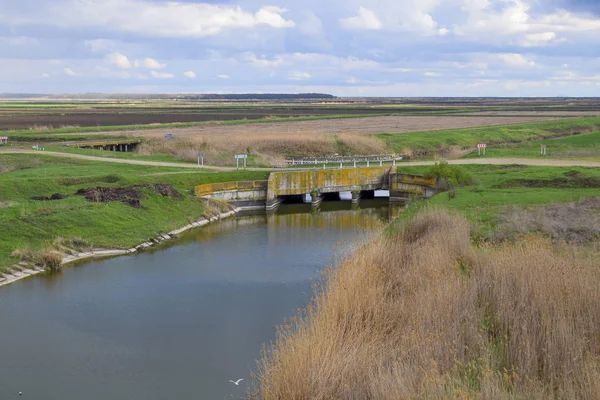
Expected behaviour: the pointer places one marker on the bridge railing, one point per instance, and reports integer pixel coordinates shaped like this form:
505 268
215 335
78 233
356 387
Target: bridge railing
355 161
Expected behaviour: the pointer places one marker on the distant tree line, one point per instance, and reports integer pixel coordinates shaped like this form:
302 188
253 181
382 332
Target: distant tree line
244 96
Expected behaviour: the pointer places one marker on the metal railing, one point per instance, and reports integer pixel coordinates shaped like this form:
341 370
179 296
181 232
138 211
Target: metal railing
355 161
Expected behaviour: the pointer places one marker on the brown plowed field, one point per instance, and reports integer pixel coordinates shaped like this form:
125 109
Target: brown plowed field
538 113
27 119
370 125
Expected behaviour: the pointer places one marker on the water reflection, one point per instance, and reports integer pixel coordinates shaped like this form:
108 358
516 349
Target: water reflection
177 322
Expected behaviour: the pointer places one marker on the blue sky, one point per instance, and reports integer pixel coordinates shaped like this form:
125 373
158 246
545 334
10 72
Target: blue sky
343 47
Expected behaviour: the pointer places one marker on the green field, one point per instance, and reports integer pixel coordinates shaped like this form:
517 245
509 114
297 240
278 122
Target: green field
35 224
435 141
497 188
586 145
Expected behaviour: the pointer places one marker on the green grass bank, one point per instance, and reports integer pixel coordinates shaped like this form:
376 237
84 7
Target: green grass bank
36 224
436 141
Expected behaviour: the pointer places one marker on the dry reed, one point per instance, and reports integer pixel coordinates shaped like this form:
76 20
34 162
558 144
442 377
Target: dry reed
266 147
422 314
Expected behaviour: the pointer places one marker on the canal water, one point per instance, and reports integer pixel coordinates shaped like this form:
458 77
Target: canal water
178 322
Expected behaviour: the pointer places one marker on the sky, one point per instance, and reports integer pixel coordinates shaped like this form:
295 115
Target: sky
401 48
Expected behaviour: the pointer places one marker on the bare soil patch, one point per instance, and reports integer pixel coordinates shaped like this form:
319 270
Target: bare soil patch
55 196
126 116
130 195
368 125
540 113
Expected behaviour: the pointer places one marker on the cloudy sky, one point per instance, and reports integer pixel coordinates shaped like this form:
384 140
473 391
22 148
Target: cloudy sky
343 47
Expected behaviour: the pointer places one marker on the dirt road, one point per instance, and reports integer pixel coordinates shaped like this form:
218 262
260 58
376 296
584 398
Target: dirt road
473 161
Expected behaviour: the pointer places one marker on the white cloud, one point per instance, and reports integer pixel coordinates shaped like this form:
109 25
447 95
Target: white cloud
299 76
539 39
119 60
161 75
45 75
431 74
310 60
514 60
364 20
149 18
149 63
511 21
70 72
100 45
311 25
262 62
352 80
223 76
189 74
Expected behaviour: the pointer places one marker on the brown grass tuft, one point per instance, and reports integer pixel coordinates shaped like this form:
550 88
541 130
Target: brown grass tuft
423 314
51 260
357 144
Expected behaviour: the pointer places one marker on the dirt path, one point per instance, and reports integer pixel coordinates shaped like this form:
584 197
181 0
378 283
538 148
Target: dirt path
476 161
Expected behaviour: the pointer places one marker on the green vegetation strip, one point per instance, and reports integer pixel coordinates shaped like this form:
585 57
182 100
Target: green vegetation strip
433 141
36 224
495 189
578 146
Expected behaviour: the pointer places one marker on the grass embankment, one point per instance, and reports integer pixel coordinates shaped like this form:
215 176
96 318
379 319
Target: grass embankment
498 188
434 142
584 146
422 313
35 224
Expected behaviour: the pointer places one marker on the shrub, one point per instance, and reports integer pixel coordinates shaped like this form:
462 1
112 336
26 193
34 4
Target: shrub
449 176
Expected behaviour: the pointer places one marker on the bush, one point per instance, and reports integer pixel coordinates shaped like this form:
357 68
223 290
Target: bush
449 176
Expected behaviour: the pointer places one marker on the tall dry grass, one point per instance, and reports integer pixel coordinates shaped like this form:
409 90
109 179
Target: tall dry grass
266 147
423 314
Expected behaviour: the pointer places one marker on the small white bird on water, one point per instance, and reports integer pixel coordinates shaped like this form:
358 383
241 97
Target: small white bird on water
236 383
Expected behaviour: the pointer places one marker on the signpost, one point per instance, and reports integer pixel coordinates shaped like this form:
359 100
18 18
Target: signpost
543 150
481 146
200 158
239 157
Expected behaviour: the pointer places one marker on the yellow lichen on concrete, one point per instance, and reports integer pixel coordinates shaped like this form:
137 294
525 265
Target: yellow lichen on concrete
241 186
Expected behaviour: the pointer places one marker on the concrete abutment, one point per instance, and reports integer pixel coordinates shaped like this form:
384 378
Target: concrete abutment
293 186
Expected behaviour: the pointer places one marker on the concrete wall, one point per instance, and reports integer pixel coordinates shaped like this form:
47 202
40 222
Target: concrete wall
324 181
234 191
316 182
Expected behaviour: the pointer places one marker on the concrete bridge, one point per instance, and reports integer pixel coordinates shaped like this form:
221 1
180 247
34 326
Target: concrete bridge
319 184
361 182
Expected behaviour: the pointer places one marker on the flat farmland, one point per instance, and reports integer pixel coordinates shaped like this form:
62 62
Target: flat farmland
16 119
369 125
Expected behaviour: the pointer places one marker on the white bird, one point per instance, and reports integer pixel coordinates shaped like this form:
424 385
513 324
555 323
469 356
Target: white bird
236 383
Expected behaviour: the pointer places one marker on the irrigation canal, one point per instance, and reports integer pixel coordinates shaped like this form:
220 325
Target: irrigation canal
178 322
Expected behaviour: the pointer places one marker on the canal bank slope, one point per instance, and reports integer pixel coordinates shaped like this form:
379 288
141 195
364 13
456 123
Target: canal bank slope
424 313
50 203
27 270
